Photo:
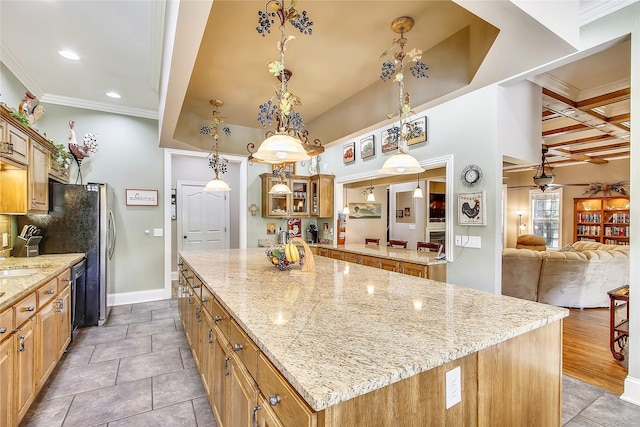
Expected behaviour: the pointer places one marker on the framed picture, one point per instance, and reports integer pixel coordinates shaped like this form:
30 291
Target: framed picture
419 131
271 228
399 213
349 153
365 210
471 208
289 168
135 197
367 147
389 139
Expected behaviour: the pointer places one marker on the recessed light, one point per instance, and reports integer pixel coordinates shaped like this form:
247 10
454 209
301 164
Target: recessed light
113 95
69 55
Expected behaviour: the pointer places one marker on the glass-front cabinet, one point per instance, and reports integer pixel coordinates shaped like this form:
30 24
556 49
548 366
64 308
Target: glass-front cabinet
311 196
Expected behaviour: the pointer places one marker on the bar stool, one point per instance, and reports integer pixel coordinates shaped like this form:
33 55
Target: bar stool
368 240
398 244
428 246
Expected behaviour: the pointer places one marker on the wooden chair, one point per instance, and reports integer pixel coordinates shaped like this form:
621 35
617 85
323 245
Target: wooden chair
428 246
398 244
368 240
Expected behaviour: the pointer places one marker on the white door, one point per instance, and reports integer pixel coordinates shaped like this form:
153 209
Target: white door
203 221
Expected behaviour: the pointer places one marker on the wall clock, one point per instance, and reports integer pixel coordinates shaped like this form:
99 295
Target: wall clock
471 175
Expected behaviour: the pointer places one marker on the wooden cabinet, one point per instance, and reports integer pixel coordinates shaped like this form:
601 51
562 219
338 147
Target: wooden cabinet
7 352
24 168
321 193
417 270
15 144
242 396
63 317
602 219
57 173
38 195
311 196
47 340
24 367
389 265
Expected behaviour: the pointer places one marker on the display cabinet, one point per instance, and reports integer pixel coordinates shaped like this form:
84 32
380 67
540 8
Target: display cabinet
602 219
311 196
321 193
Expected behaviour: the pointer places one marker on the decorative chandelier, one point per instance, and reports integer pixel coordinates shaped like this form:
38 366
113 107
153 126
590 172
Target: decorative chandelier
396 60
544 174
290 141
217 163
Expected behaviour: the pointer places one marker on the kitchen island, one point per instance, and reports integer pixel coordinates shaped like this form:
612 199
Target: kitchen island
360 346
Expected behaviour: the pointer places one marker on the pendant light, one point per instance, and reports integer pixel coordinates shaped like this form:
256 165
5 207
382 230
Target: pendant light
417 193
370 196
217 163
396 60
543 179
281 187
289 142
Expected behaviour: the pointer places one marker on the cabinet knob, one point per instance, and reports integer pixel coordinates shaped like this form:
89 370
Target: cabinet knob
29 308
217 319
237 347
51 292
3 330
274 399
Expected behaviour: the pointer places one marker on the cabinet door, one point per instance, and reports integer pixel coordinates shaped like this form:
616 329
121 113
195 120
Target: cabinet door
24 368
47 342
64 320
416 270
220 374
206 357
38 178
7 351
300 197
389 265
265 417
18 148
242 397
196 332
274 205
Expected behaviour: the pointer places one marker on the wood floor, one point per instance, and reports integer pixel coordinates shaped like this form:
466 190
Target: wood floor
585 350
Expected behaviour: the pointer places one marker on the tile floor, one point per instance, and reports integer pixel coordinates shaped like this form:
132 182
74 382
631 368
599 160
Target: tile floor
138 371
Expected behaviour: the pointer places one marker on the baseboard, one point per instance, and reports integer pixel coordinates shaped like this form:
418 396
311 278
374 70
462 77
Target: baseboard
135 297
174 275
631 390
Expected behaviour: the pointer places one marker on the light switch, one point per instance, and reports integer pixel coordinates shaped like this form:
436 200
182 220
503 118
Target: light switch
157 232
5 240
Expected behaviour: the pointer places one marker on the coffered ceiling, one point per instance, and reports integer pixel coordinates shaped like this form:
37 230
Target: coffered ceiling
212 51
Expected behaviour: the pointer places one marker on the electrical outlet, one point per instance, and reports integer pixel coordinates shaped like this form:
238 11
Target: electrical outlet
157 232
453 387
458 240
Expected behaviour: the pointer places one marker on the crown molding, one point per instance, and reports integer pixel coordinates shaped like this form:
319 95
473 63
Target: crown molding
98 106
11 62
591 10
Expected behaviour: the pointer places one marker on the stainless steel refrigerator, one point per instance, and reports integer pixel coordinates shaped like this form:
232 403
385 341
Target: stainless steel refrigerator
81 219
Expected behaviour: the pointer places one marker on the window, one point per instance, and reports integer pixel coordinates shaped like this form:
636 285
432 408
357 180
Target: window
546 211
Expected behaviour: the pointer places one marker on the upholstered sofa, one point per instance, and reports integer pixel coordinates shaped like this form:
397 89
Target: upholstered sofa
578 276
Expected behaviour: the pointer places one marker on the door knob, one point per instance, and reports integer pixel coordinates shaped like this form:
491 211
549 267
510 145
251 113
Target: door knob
184 237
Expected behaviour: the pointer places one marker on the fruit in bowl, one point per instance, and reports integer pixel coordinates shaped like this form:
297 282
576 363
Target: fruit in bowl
284 256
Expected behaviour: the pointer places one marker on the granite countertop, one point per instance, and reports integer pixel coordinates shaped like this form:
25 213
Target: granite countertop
351 329
12 289
396 254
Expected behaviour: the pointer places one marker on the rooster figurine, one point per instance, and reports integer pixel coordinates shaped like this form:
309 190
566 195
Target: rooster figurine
469 211
79 152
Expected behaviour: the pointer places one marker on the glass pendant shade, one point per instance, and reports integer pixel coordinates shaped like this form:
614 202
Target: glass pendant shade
281 147
371 197
345 210
400 164
216 184
543 179
417 193
280 188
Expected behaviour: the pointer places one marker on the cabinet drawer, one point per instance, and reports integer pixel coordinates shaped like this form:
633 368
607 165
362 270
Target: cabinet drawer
64 280
244 348
349 257
25 309
47 292
336 255
369 261
389 265
207 299
196 285
220 317
6 324
282 398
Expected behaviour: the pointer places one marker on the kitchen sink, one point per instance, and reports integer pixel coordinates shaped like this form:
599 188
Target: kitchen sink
17 272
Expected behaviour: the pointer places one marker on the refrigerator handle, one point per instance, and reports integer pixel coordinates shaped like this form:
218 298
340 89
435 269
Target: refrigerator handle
112 234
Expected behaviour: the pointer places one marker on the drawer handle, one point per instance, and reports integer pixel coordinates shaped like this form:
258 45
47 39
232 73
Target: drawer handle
254 417
21 349
237 347
274 399
217 319
3 330
204 300
211 340
198 319
226 366
29 308
50 292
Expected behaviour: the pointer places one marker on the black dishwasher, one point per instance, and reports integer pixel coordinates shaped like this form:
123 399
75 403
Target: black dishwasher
78 296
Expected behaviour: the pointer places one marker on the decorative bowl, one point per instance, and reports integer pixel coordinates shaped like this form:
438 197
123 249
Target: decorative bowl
277 256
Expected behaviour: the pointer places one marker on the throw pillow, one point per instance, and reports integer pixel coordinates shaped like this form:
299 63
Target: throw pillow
568 248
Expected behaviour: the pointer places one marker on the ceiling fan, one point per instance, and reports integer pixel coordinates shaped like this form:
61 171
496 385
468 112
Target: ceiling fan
544 176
